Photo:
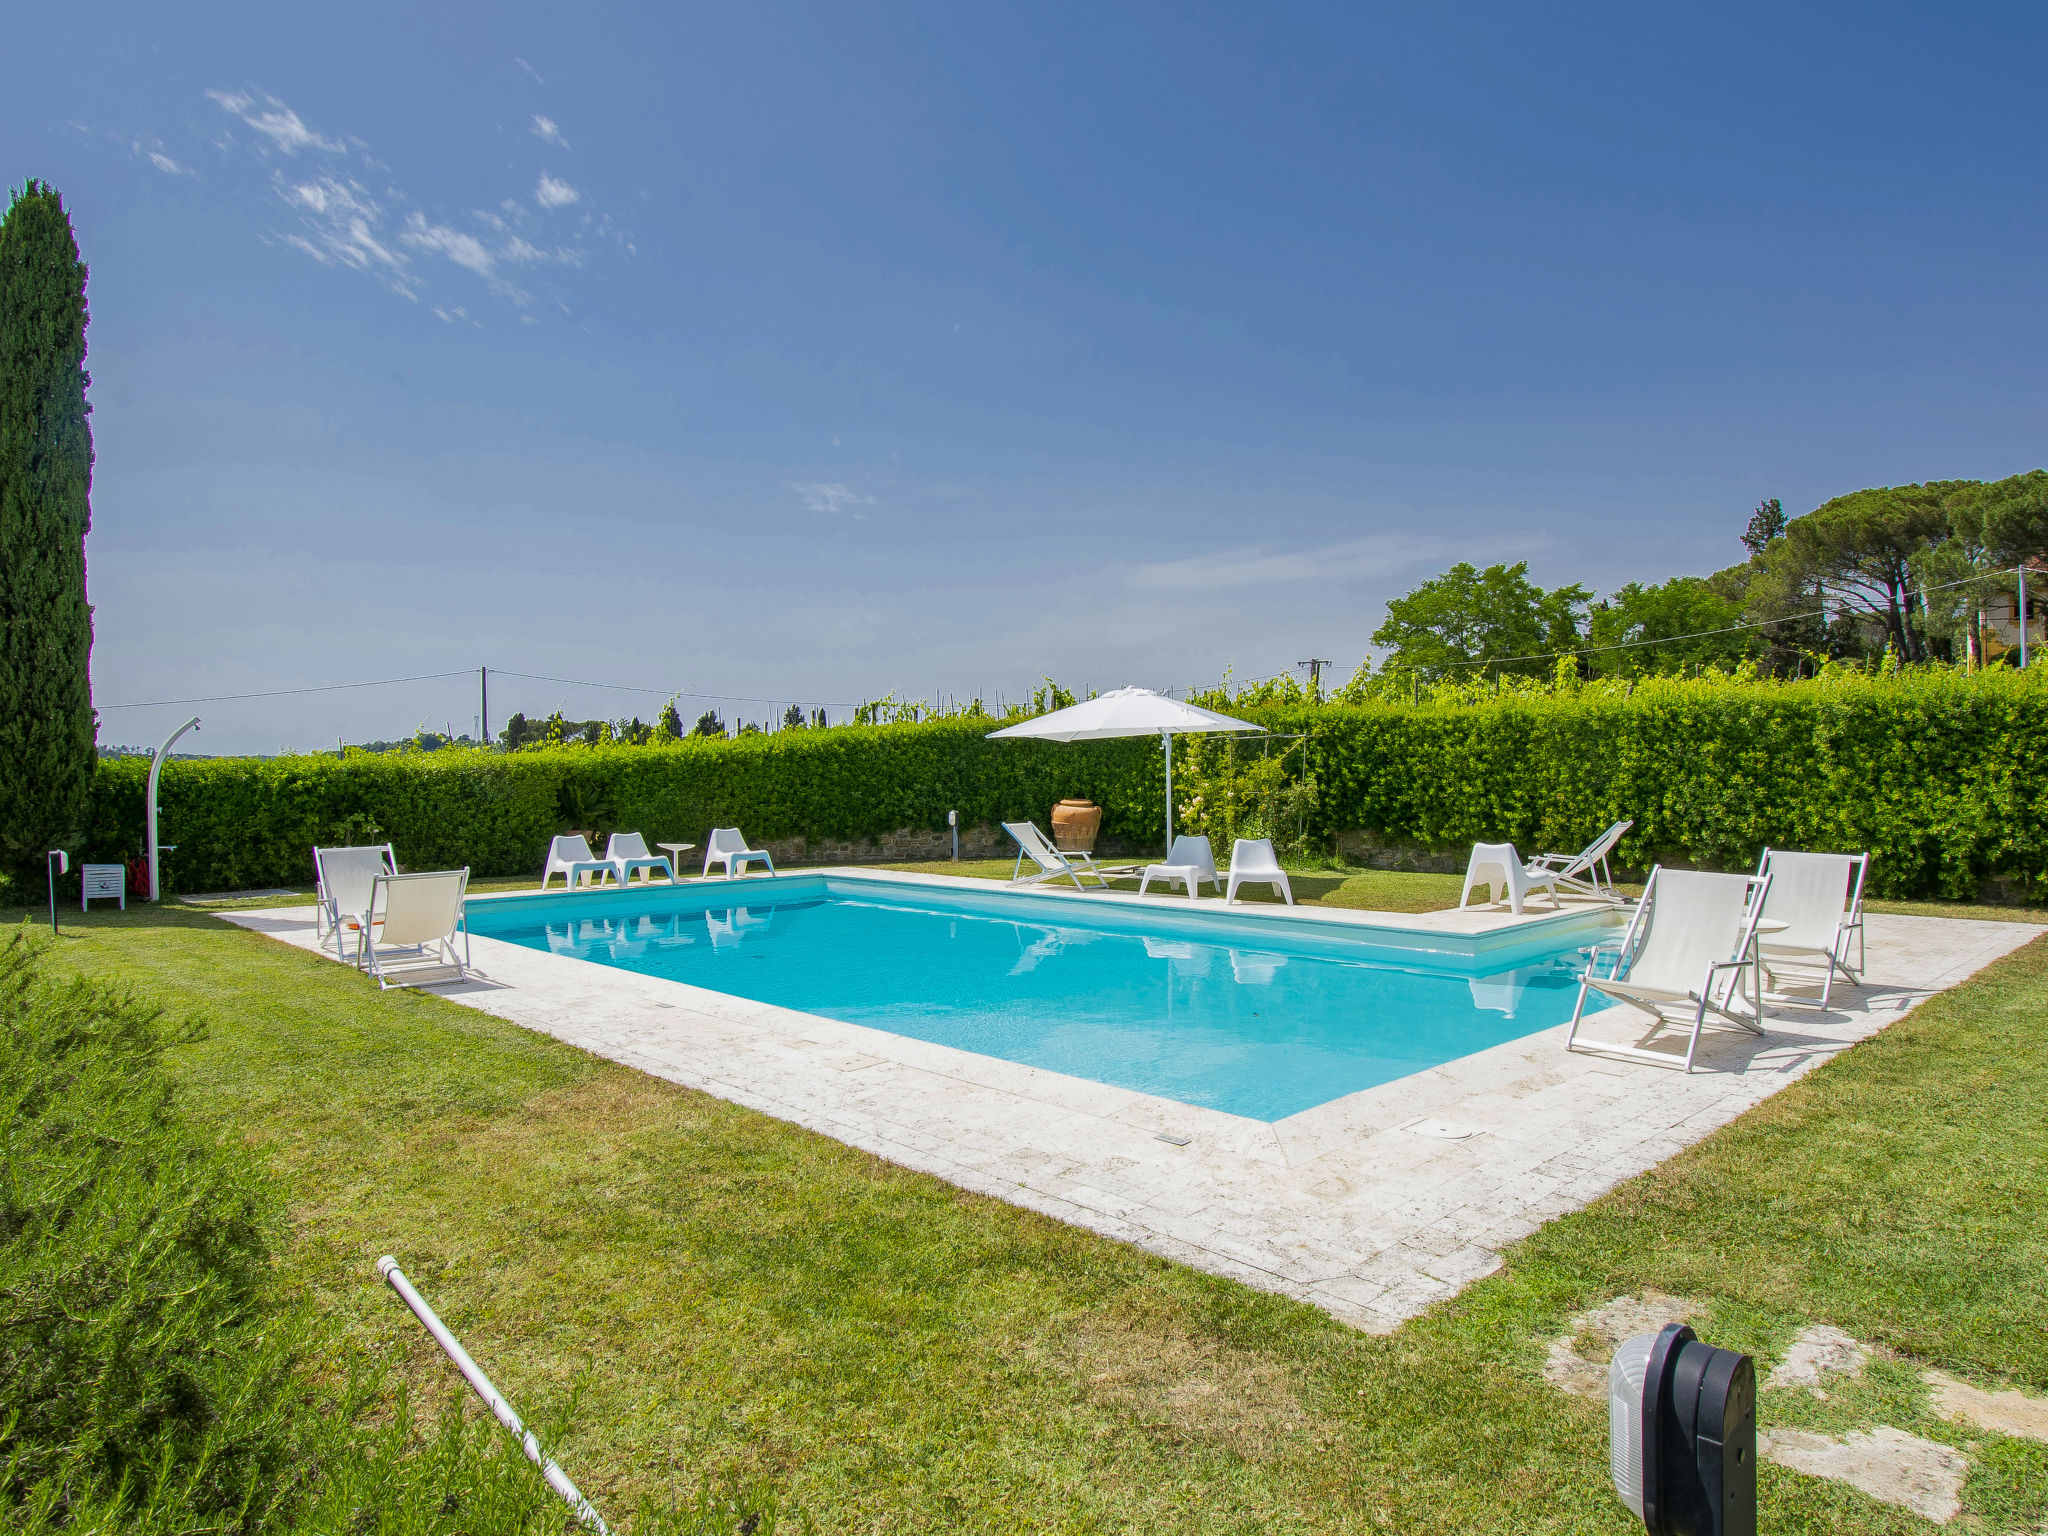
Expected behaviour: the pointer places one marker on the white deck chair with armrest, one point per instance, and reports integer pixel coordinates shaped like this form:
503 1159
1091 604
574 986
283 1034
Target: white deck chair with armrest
1190 861
1253 862
344 877
1499 868
418 918
627 851
1054 863
1691 939
728 846
1819 897
1586 872
570 857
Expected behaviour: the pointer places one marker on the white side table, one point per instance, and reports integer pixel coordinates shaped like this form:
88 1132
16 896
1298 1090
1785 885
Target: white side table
102 882
675 852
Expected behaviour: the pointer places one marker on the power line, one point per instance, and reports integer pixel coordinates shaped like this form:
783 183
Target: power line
278 693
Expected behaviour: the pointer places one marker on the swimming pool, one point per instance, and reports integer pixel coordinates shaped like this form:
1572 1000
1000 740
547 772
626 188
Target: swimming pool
1241 1012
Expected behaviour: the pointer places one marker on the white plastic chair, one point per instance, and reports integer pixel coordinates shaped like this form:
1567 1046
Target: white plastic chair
570 857
1054 863
627 851
1253 862
417 918
1587 871
1819 897
1190 861
1498 867
343 881
728 846
1691 939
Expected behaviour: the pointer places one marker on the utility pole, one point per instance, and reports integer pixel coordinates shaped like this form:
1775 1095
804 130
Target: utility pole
2023 618
1315 665
483 687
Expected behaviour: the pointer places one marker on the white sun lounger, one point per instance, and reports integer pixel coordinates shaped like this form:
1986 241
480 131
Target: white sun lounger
728 846
1190 861
1253 862
1692 938
417 918
1499 868
1819 898
1053 863
344 878
1586 871
627 851
570 857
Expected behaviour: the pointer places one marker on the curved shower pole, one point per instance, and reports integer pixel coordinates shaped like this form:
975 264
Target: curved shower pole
155 768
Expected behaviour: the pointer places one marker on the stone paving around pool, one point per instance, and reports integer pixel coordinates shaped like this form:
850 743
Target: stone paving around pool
1372 1207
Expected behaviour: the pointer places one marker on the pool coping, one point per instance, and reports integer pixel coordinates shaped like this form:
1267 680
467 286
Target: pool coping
1372 1206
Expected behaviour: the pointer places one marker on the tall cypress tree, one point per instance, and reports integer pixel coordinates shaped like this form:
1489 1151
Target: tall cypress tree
46 718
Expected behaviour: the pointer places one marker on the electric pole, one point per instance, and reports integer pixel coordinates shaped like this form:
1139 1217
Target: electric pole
1315 665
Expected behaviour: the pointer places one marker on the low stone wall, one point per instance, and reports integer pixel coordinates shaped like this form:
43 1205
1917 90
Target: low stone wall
910 845
1374 852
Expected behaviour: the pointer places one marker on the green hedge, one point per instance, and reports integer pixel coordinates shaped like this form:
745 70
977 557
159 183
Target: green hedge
246 822
1943 777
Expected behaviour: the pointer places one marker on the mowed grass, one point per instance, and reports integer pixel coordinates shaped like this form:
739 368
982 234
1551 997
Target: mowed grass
747 1302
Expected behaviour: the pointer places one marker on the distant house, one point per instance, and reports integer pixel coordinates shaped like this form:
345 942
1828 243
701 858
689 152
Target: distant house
2002 615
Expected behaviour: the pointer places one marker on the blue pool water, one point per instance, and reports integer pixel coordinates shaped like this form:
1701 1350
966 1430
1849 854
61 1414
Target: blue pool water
1255 1018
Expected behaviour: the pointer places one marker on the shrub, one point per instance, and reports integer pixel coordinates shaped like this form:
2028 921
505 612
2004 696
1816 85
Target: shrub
152 1379
138 1350
1942 776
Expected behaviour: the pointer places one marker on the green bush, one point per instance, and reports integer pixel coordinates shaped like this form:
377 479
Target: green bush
1942 776
137 1350
244 822
152 1379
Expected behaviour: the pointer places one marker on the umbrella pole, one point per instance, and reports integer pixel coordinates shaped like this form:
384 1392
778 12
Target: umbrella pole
1167 738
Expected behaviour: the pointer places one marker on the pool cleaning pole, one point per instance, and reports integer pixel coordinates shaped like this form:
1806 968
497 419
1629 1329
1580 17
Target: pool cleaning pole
486 1389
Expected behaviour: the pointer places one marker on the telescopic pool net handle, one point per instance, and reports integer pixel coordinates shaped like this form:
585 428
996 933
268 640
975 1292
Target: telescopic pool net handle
493 1399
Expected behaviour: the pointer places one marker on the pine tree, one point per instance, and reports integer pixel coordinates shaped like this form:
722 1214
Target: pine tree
47 728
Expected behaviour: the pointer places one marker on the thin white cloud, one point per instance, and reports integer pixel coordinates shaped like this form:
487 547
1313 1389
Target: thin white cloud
550 193
530 70
389 234
340 224
276 122
1373 555
830 498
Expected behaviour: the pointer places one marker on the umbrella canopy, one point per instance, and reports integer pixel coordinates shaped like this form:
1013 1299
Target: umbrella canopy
1127 712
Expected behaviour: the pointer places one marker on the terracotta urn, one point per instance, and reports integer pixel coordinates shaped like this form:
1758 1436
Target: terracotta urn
1074 825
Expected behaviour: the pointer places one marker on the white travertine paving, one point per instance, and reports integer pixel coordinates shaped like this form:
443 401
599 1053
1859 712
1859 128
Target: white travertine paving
1373 1206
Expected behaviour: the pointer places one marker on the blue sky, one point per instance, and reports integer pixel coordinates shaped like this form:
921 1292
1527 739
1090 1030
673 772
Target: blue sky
808 354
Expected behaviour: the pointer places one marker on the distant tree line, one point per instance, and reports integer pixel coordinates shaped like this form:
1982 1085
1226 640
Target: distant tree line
1914 571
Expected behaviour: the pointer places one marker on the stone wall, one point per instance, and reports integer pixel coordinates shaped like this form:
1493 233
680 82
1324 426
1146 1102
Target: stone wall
1374 852
910 845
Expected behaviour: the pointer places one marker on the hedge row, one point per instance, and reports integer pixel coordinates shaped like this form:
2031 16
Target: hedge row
245 822
1944 778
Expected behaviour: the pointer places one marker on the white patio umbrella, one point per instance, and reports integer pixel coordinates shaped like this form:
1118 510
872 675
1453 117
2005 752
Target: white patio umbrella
1128 712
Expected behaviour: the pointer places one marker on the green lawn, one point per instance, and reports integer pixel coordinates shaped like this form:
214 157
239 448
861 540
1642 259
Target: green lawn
746 1301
